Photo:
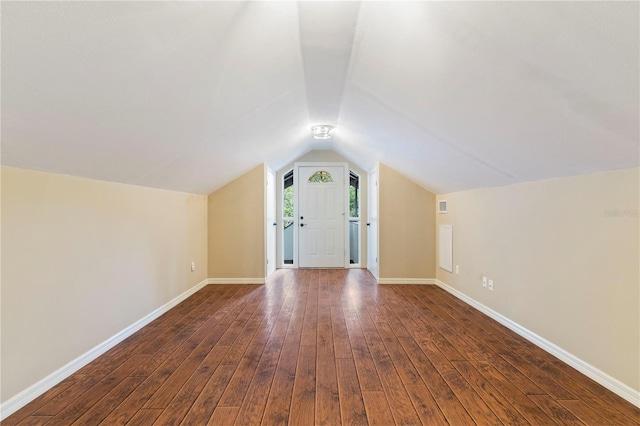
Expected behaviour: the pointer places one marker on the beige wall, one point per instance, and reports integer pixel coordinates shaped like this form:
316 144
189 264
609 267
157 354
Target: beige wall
406 227
326 156
84 259
236 227
565 266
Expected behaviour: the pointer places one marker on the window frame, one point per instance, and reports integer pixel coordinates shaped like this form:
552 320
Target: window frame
357 219
284 219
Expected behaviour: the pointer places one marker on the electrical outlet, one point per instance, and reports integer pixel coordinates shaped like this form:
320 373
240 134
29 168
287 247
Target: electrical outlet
193 266
457 269
484 281
490 285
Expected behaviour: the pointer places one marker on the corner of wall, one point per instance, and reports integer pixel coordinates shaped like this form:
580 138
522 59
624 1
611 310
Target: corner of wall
406 220
236 222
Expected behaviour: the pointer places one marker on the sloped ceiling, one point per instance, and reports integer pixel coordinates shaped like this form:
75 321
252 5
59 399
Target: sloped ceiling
189 95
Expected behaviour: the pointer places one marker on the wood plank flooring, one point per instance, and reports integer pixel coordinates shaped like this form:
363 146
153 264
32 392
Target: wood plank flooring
325 347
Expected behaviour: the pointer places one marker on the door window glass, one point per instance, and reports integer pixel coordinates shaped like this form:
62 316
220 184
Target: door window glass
321 177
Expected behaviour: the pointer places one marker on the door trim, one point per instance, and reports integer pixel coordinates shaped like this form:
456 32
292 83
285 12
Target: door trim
296 204
271 216
373 244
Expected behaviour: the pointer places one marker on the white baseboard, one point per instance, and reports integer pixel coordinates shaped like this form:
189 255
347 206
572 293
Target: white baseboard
611 383
406 280
236 281
18 401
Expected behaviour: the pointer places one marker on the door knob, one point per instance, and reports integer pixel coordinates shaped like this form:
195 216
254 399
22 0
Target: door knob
368 224
301 225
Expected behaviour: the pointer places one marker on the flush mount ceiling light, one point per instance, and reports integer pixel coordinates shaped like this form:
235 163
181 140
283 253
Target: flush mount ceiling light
321 131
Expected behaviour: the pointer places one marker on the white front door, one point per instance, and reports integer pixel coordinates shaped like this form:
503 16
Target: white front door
321 216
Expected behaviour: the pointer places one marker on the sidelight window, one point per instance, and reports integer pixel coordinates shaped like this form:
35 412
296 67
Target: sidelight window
287 218
354 218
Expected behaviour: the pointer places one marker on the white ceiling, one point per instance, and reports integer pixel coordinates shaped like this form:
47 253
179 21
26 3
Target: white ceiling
189 95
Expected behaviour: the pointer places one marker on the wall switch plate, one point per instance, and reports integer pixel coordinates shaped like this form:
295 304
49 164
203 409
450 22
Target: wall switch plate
490 285
457 269
484 281
193 266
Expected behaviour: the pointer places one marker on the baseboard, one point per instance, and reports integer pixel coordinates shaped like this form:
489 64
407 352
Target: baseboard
18 401
236 281
406 280
611 383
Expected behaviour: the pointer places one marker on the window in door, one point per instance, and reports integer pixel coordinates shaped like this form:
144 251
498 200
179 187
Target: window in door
288 219
321 176
354 219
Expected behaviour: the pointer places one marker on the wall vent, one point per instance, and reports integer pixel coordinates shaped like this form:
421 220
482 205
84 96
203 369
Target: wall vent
442 206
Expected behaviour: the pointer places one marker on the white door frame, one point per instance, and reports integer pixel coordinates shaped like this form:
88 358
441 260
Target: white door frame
373 236
345 223
270 215
280 220
361 216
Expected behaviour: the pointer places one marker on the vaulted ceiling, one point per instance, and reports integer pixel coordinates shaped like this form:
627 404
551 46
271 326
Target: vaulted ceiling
189 95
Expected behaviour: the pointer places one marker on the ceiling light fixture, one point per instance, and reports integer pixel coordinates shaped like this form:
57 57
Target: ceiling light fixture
321 131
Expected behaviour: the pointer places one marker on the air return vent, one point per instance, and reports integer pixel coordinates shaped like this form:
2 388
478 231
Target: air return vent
442 206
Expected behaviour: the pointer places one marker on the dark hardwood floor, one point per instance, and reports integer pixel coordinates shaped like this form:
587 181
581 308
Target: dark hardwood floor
325 347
